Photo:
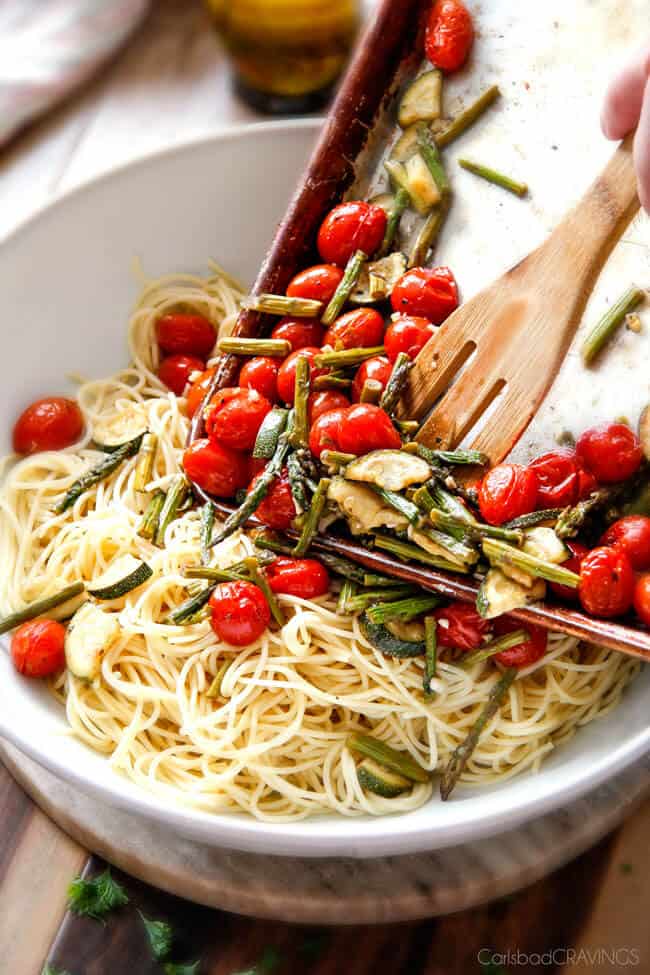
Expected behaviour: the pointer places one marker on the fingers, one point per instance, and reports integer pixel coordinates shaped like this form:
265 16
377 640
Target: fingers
624 98
642 150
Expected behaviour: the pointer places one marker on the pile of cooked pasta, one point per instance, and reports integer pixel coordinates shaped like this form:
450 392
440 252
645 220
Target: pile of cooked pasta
273 743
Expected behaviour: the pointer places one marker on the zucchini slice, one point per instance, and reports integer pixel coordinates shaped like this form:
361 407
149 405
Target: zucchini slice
422 100
89 635
437 543
407 144
644 431
499 594
414 177
392 470
124 575
382 781
387 643
269 432
363 509
378 278
543 543
412 631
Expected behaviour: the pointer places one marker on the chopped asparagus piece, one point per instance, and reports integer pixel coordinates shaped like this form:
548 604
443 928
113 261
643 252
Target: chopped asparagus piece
400 762
465 119
494 176
501 554
346 357
412 553
345 287
260 580
151 518
371 392
400 203
404 609
208 512
534 518
431 653
396 383
348 589
282 305
41 606
609 324
431 155
242 346
313 516
505 642
336 459
104 469
144 466
175 497
299 436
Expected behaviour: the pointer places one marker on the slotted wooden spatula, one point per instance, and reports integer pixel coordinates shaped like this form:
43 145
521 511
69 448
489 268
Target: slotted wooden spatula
510 339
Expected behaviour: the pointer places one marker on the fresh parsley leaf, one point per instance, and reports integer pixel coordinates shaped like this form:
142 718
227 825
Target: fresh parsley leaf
267 964
188 968
160 936
51 970
97 897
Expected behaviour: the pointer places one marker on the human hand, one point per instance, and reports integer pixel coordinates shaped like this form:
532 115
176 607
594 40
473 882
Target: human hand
626 106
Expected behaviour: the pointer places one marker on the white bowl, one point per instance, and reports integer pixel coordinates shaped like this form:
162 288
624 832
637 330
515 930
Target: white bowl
66 291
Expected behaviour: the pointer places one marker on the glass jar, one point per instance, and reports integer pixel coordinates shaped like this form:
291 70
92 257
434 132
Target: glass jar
287 54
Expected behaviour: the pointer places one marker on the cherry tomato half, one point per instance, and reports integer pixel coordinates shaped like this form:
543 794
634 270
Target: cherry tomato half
198 389
277 509
37 648
301 333
367 427
578 552
378 368
318 283
216 469
240 612
234 417
606 582
507 491
186 334
426 292
558 478
632 535
611 451
48 424
324 402
642 599
361 328
261 373
325 431
449 35
409 334
523 654
287 372
350 227
305 578
175 371
461 626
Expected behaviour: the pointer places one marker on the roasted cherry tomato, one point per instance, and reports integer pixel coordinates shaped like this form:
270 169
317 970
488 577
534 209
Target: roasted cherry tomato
287 373
325 431
37 648
578 552
367 427
186 334
611 451
261 373
507 491
216 469
361 328
277 509
324 402
48 424
234 416
587 483
449 35
558 479
175 371
409 334
642 599
523 654
378 368
301 333
606 582
632 535
305 578
318 283
198 389
460 626
255 466
427 292
350 227
240 613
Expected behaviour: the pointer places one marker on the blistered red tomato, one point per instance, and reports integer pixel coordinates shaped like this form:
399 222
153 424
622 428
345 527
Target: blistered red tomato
318 283
642 598
350 227
37 648
215 468
240 613
301 333
632 535
507 491
277 509
426 292
611 451
461 626
287 372
261 373
587 483
573 564
606 582
187 334
409 334
234 417
48 424
305 578
449 35
361 328
325 431
175 371
523 654
324 402
378 368
198 389
367 427
558 478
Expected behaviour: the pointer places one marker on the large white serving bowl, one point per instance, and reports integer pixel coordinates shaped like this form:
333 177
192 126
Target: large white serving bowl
66 291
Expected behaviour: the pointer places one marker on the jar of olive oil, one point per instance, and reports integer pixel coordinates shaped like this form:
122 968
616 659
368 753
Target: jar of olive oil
287 54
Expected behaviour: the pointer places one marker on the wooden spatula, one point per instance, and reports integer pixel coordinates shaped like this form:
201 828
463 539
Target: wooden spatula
510 339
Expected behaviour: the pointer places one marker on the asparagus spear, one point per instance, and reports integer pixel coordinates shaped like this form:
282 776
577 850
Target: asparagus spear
187 611
144 466
40 607
371 392
297 482
104 469
336 459
261 581
413 553
400 762
465 119
428 233
494 176
215 687
401 201
207 525
399 503
348 589
269 432
313 516
430 654
346 357
241 346
610 323
505 642
332 380
501 554
345 288
533 519
150 519
361 601
283 305
431 155
407 428
402 609
299 436
462 531
396 383
175 497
